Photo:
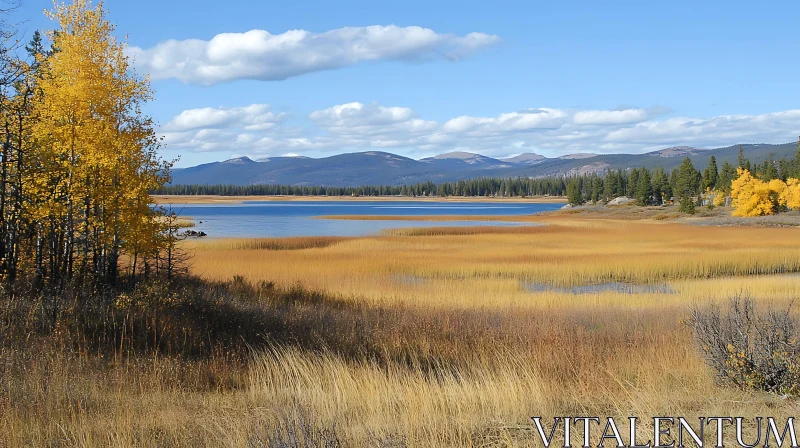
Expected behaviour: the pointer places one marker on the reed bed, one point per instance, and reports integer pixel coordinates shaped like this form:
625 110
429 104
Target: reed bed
496 266
181 222
462 230
184 223
291 243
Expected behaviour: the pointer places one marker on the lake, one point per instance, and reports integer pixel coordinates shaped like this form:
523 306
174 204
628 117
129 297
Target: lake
299 218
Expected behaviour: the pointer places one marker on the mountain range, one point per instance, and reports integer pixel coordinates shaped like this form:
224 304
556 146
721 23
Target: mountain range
383 168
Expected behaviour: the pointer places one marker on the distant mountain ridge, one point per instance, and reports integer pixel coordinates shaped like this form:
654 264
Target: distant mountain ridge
528 158
679 151
383 168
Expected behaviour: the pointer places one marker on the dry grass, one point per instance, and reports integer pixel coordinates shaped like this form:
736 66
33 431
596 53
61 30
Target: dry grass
292 243
426 337
490 266
181 222
184 223
382 377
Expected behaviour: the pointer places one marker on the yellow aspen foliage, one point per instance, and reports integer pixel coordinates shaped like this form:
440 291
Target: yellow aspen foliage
99 148
75 202
790 196
777 188
753 197
719 197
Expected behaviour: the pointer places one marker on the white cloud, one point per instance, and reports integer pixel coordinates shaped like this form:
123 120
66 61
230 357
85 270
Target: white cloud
254 117
359 127
619 116
771 128
358 114
360 120
259 55
526 120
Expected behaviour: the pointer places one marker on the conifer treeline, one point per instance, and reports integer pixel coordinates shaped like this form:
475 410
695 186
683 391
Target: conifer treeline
78 158
555 186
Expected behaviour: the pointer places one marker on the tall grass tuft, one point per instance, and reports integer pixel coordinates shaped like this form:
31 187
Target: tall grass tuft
291 243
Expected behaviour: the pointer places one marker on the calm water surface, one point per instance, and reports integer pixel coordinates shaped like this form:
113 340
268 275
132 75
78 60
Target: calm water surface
296 218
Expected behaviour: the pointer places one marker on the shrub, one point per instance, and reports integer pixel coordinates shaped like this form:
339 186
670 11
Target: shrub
686 205
747 348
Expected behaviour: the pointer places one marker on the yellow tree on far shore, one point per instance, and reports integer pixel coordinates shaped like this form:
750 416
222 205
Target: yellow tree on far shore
752 196
790 196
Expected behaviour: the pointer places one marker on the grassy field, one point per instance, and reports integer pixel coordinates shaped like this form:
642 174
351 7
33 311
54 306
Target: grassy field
420 337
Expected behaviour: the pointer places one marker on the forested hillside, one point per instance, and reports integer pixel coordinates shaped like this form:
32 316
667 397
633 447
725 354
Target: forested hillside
381 168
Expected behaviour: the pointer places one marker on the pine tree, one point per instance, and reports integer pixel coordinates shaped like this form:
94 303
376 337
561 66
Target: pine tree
574 196
687 205
668 192
726 175
644 188
769 171
673 181
620 184
796 162
686 185
609 186
660 186
597 188
633 182
710 174
743 163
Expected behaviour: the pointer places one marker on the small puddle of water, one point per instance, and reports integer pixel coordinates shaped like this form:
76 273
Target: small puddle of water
408 279
620 287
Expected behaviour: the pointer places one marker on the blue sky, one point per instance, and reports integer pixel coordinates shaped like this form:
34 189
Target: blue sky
498 78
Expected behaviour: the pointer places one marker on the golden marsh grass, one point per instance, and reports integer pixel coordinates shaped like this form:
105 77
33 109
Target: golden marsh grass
491 266
291 243
436 337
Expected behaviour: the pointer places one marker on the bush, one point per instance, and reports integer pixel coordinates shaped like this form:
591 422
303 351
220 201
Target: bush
687 205
750 349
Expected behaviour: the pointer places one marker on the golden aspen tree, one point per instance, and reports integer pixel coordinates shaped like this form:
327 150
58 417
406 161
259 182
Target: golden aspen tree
100 145
790 196
753 197
719 197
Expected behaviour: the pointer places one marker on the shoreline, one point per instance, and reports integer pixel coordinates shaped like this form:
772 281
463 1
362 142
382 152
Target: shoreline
215 199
